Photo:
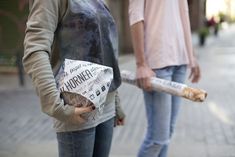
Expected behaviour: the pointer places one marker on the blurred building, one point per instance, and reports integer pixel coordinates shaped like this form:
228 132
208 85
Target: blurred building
119 9
13 14
197 11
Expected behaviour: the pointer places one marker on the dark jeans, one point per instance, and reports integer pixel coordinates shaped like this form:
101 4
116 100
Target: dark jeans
93 142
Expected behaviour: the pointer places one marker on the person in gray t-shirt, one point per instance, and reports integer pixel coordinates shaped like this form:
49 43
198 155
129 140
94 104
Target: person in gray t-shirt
79 30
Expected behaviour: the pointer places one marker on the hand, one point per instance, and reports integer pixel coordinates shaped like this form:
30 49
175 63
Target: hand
76 117
143 75
119 121
120 115
195 74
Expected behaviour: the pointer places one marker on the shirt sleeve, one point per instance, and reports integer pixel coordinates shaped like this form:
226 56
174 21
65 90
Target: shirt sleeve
40 28
136 11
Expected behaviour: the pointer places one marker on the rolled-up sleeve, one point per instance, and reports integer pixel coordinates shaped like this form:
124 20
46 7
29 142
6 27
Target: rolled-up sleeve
136 11
41 26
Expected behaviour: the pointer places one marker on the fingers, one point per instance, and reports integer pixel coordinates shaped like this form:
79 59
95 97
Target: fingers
147 84
196 78
144 75
191 74
76 118
195 74
81 110
120 122
144 83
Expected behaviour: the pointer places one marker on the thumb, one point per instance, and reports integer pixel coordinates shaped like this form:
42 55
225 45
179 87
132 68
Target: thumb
81 110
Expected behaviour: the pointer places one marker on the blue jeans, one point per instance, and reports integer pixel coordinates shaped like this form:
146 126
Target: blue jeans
161 111
93 142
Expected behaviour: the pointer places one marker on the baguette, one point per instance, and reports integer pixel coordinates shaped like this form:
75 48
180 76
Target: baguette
170 87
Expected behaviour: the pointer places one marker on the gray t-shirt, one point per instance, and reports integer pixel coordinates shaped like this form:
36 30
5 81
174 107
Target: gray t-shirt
86 32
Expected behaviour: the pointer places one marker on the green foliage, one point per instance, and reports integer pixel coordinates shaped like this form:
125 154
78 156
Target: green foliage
204 31
222 16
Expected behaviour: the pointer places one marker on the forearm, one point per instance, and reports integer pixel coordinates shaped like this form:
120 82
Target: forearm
144 72
137 33
38 67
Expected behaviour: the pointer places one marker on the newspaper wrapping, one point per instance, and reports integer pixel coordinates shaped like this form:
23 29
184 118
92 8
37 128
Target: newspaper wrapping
170 87
84 83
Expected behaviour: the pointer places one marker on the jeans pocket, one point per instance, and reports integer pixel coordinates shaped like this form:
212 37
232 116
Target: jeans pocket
164 72
181 69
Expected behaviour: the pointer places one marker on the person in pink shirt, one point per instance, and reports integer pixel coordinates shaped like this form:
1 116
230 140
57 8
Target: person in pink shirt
163 48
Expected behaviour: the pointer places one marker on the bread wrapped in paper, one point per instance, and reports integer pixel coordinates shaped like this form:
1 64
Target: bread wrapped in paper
170 87
84 83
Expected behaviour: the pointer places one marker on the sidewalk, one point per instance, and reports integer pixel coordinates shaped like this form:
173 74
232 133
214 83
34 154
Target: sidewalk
203 129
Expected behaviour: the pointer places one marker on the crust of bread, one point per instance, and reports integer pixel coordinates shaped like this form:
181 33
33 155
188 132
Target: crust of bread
194 94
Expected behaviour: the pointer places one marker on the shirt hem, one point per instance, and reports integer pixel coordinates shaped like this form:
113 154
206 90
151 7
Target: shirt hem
78 128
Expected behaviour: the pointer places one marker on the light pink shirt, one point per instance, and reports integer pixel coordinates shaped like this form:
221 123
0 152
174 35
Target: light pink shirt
167 31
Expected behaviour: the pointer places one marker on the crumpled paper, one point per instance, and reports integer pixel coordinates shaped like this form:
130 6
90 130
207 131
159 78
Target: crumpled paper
83 83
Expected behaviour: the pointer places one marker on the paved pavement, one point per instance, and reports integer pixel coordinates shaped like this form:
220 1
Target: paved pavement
203 129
